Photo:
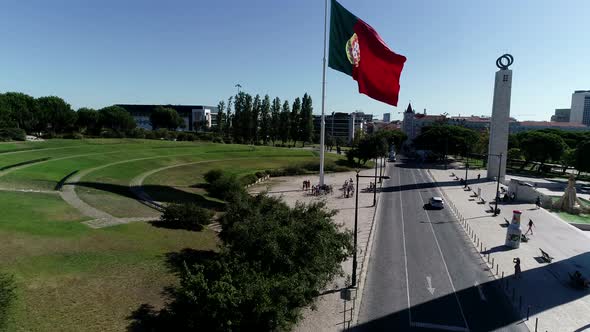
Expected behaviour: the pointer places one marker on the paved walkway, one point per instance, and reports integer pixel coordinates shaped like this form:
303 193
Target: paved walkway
544 288
332 312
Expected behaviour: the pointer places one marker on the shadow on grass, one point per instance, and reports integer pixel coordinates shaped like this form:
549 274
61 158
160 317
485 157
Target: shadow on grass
163 194
22 163
146 318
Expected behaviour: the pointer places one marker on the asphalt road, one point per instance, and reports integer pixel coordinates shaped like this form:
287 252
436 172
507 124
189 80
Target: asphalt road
424 273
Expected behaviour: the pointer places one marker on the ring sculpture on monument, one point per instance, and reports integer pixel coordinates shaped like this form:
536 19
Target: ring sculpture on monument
504 61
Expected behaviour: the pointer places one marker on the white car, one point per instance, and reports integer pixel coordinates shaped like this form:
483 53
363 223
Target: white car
436 203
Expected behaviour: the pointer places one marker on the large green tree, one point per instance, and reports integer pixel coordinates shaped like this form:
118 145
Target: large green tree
275 120
265 120
285 125
446 139
20 110
116 118
306 120
220 117
274 260
294 119
255 120
88 121
394 138
582 156
56 115
541 147
163 117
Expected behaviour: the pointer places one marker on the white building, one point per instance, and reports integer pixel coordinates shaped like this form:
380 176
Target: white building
580 109
387 117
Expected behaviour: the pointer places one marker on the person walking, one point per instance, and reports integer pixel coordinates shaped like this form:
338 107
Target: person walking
478 176
531 224
517 271
538 202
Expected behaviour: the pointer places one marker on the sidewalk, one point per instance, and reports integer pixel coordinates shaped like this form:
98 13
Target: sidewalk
544 288
332 311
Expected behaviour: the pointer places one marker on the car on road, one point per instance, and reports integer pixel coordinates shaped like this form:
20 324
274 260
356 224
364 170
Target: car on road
436 203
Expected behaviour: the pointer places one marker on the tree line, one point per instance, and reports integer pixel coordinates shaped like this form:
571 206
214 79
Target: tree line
254 120
566 148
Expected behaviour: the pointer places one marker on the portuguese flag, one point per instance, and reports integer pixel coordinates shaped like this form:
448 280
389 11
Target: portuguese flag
357 50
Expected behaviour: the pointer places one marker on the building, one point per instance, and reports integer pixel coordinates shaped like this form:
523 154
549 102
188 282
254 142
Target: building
561 115
194 116
342 125
580 108
386 117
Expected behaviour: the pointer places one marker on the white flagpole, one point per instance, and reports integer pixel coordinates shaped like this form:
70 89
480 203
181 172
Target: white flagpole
323 123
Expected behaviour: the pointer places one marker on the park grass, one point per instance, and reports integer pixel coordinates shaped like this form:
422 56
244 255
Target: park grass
74 278
581 218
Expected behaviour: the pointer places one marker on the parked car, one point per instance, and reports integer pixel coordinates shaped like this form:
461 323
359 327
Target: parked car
436 203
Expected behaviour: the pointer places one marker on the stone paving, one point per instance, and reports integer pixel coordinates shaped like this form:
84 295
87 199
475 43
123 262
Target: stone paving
544 287
332 312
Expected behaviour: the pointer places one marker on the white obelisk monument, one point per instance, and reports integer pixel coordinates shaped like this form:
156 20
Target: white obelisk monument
498 146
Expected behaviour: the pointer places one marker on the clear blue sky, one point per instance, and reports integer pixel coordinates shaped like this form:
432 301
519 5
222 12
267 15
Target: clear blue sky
97 53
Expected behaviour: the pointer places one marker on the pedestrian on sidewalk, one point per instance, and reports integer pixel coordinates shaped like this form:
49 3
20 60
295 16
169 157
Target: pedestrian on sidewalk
538 202
531 224
478 176
516 262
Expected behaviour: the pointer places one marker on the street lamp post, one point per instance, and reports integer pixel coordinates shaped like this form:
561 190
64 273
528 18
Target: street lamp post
356 217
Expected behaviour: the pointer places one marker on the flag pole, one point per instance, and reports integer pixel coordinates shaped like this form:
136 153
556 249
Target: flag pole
323 123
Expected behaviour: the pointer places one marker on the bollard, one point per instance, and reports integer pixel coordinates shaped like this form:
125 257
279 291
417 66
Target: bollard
536 323
497 269
492 262
480 246
502 274
488 257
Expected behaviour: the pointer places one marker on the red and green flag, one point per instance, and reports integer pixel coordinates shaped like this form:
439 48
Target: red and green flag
357 50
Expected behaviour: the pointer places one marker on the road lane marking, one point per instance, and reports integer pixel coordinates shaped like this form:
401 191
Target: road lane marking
429 282
480 290
401 207
442 257
440 327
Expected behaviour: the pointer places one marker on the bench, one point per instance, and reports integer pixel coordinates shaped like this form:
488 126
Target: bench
545 256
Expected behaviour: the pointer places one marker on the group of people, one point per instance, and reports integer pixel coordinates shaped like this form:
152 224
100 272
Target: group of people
348 188
316 190
306 185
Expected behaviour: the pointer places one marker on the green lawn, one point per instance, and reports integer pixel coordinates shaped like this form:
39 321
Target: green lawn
74 278
573 218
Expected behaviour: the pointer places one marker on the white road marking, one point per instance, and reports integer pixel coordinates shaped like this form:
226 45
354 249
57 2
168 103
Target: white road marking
429 281
401 207
443 258
440 327
481 294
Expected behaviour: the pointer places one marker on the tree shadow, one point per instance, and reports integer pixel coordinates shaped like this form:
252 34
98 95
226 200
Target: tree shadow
155 193
175 261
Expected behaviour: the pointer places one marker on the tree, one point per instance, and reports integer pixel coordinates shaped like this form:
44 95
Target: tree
306 120
394 138
274 260
514 154
369 147
255 121
116 118
582 156
220 117
541 147
19 110
568 159
229 118
294 120
187 216
446 139
265 120
57 115
285 122
275 120
88 121
167 118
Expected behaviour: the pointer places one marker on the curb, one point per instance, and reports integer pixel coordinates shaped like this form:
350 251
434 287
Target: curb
365 264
